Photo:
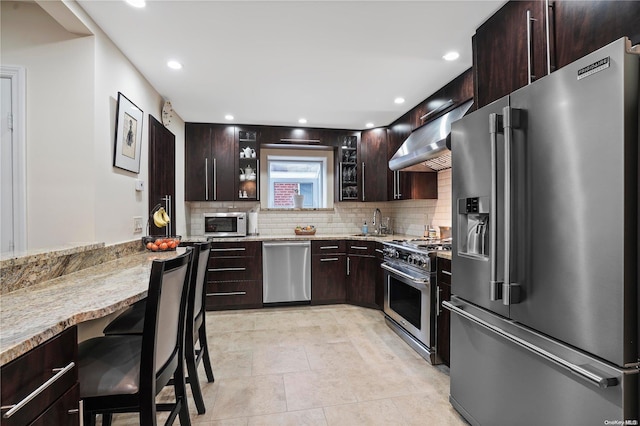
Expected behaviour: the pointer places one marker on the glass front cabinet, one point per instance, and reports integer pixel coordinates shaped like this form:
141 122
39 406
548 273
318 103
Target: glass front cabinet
248 165
348 168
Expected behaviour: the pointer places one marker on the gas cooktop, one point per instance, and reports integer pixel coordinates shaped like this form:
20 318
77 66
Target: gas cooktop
424 244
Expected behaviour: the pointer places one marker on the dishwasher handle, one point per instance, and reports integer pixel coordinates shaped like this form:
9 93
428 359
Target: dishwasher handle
287 244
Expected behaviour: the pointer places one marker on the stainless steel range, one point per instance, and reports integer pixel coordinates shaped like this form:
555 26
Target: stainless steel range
410 304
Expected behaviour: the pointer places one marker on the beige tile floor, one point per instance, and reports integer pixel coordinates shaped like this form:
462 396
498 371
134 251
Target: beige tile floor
330 365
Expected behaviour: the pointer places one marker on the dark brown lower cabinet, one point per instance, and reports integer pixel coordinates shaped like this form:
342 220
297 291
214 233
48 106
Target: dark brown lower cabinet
56 404
328 272
362 273
328 276
63 412
234 276
443 281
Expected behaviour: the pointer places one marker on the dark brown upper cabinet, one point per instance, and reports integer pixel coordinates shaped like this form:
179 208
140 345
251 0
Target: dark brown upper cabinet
373 165
584 26
512 47
509 50
210 159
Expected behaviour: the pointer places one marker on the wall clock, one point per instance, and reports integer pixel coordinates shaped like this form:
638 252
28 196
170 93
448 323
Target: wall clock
167 113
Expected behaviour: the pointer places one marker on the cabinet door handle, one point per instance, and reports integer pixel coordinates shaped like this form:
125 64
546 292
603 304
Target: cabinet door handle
530 19
226 269
398 183
363 181
258 180
438 295
340 170
228 293
17 407
229 249
328 247
547 6
379 251
348 266
445 272
359 248
206 179
329 259
215 180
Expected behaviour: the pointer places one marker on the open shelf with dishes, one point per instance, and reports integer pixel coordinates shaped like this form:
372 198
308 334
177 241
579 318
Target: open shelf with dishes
348 168
248 165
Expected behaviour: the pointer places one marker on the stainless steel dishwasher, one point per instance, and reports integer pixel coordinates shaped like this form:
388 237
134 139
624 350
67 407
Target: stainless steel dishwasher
286 271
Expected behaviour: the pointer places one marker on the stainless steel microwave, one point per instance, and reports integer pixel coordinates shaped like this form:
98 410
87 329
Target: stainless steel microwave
225 224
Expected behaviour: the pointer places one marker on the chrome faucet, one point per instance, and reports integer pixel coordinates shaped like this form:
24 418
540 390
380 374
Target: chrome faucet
377 223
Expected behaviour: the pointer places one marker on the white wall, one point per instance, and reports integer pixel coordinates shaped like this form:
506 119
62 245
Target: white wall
74 194
60 125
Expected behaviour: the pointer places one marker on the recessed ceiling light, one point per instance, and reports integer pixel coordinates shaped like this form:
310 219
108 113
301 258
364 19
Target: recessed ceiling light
228 117
398 100
369 125
174 65
136 3
451 56
302 121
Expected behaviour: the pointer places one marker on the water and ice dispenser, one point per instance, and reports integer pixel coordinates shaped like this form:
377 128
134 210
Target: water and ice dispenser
473 223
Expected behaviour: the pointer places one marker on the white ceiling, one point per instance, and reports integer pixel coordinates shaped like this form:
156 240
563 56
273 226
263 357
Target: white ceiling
339 64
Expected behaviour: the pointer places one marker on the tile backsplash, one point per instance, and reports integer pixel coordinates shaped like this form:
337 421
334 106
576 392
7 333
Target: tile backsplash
408 217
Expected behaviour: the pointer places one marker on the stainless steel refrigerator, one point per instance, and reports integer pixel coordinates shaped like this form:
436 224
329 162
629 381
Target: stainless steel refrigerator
544 312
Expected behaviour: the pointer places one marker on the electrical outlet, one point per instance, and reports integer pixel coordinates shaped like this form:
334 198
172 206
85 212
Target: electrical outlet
137 224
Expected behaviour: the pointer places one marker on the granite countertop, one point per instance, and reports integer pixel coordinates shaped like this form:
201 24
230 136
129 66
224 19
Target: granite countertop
30 316
293 237
35 314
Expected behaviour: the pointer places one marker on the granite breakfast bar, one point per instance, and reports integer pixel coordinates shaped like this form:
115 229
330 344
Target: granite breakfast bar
34 314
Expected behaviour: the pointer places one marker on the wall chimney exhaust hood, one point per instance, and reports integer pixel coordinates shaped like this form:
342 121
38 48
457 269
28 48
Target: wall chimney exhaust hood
425 148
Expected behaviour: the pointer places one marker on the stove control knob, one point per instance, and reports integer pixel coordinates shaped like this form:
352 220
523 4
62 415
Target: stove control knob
420 261
410 259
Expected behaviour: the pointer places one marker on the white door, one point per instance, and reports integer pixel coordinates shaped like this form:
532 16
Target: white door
12 162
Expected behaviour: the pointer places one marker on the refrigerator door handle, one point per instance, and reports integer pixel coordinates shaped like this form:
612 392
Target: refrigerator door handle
511 119
580 371
495 121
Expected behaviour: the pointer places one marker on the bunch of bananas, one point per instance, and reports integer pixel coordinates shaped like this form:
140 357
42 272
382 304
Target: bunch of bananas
161 218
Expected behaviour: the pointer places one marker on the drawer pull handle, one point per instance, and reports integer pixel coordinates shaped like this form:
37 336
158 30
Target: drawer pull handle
328 247
229 293
16 407
74 411
446 272
329 259
359 248
229 249
226 269
379 251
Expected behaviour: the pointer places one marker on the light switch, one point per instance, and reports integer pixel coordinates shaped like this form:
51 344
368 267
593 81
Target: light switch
139 185
137 224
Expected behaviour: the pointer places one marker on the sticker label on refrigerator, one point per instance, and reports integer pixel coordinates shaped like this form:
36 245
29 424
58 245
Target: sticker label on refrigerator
594 68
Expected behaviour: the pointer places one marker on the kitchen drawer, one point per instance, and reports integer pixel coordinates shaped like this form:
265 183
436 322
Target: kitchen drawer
237 249
328 247
234 269
444 271
240 294
22 376
64 412
361 248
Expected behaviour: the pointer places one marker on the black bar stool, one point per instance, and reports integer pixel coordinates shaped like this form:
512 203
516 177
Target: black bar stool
124 373
196 348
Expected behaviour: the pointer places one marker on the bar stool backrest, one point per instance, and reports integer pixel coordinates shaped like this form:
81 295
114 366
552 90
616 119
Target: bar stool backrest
165 315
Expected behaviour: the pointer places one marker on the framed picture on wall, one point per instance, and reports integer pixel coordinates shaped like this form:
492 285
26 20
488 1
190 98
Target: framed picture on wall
128 135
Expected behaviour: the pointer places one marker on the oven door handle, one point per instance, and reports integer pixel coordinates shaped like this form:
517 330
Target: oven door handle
403 274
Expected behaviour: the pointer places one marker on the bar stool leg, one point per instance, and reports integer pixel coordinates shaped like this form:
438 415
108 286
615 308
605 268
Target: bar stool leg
204 348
